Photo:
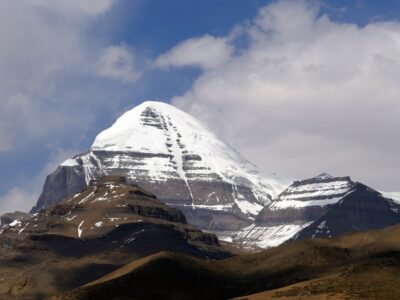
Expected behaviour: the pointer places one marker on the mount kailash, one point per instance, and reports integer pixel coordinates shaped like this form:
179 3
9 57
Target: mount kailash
171 154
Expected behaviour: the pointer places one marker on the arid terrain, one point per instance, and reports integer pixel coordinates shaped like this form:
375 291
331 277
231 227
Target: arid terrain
362 265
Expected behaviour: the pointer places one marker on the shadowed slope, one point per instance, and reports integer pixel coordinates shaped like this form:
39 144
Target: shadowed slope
173 276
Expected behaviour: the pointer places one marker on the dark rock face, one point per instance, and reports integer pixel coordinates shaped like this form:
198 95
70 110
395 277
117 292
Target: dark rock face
217 220
362 209
155 212
269 217
64 182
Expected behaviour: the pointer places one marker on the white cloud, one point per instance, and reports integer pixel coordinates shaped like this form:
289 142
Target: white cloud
31 54
88 7
206 52
117 62
16 199
307 95
47 84
49 93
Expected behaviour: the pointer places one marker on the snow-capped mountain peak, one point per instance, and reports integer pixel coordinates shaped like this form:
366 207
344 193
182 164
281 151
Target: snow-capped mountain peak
172 154
159 128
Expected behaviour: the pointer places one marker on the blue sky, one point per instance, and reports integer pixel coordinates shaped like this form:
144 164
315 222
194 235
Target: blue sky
60 87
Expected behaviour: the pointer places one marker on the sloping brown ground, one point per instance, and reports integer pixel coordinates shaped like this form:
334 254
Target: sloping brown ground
91 234
363 265
373 279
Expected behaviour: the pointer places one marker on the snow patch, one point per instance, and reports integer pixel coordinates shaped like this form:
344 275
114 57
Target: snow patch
15 223
70 163
249 207
223 207
102 198
80 229
71 218
129 240
226 239
297 204
395 196
321 225
20 231
98 224
86 198
263 236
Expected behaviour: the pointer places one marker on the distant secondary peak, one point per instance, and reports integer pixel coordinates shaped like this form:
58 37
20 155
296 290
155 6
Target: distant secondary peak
324 176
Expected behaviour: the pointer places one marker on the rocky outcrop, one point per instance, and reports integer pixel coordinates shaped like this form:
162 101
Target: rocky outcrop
63 182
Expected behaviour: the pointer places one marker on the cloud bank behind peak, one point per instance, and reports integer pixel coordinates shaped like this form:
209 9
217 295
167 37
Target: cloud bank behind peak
305 94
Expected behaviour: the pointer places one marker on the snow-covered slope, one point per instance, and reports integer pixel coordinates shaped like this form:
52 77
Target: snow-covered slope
395 196
255 236
172 154
323 206
321 190
306 200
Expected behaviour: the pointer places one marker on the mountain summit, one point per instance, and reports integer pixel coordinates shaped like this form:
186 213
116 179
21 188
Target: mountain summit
170 153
